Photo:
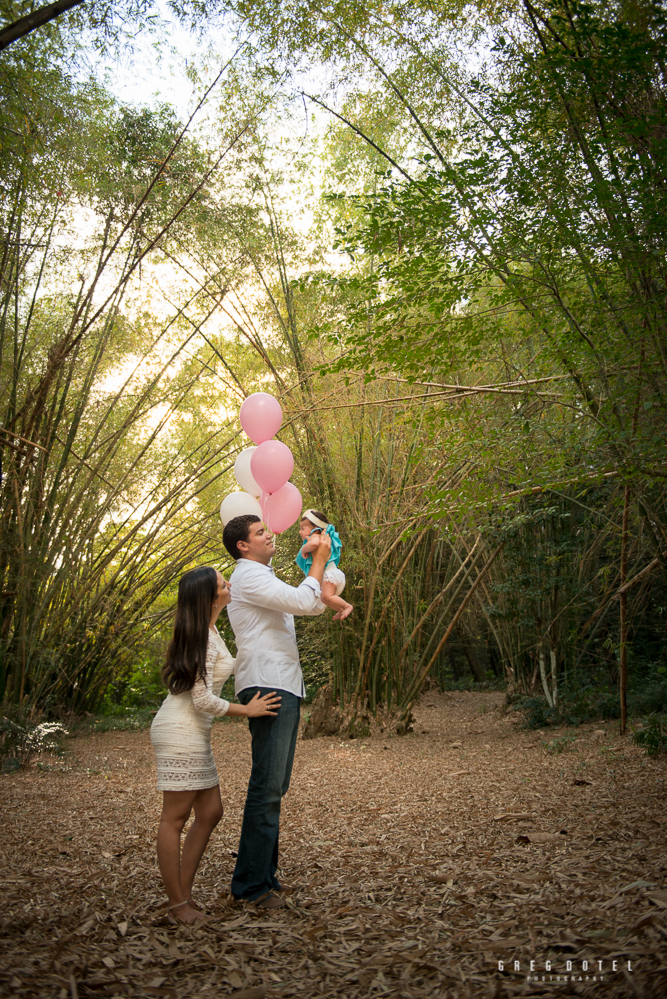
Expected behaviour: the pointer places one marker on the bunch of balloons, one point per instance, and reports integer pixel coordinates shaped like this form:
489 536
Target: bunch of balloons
263 471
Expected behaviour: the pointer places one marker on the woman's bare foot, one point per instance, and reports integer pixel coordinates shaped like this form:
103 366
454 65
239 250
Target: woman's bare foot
184 913
343 613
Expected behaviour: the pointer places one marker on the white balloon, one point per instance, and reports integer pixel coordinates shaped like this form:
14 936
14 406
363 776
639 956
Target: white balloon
244 476
237 505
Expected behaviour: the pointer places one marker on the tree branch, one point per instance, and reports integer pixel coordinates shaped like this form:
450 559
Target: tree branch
25 25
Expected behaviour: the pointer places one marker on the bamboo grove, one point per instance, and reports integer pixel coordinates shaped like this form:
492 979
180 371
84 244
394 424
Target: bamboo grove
474 389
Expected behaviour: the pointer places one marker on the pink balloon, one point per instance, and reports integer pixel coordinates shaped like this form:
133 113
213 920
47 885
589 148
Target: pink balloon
261 417
271 465
283 508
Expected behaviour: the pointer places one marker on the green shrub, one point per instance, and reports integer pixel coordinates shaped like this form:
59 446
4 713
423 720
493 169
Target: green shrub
653 736
20 741
127 720
559 744
650 698
141 689
468 683
536 712
573 709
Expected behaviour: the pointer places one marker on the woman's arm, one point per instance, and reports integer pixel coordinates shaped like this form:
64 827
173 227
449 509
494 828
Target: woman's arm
205 700
203 697
257 706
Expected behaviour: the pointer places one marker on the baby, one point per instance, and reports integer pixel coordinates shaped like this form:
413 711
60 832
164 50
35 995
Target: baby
313 523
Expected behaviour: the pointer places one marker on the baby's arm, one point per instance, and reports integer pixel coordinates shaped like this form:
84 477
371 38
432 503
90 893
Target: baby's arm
311 544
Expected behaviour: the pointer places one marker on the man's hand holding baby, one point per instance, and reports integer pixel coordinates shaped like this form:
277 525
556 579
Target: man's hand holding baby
321 556
311 545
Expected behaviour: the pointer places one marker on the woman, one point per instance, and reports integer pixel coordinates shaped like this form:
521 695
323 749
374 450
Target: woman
197 665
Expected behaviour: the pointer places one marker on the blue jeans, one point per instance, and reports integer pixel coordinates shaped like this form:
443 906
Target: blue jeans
273 745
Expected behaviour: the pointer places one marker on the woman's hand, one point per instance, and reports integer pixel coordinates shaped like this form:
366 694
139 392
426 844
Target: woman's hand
259 706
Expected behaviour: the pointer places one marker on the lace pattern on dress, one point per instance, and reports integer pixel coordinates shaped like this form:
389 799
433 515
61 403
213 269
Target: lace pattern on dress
181 730
219 666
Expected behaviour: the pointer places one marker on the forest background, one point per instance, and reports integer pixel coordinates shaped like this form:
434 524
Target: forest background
436 233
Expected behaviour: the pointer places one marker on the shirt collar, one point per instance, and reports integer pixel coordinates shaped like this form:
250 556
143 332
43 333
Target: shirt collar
246 562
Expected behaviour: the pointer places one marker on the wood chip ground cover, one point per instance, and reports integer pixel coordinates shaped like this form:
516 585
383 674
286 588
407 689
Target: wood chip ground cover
418 865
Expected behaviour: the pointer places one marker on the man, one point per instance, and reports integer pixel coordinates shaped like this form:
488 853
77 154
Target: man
261 614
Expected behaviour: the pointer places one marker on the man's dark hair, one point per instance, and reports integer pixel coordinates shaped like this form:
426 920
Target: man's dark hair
237 530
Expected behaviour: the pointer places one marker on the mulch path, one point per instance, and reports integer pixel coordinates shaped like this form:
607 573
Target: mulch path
420 863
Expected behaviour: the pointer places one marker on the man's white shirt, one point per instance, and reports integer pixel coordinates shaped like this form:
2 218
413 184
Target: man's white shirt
261 615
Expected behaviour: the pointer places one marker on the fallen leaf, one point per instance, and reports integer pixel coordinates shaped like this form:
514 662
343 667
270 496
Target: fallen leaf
637 884
85 927
646 919
506 946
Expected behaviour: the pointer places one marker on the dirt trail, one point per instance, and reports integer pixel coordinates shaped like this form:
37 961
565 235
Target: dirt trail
420 863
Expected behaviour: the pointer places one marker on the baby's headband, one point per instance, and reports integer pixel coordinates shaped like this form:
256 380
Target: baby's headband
314 519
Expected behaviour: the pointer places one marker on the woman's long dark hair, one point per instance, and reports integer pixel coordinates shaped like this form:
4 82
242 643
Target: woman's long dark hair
186 655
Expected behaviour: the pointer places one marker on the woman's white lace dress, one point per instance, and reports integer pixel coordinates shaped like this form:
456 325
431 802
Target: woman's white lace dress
181 730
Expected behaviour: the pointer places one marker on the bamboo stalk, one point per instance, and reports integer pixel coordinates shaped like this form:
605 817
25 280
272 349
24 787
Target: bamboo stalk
416 687
623 678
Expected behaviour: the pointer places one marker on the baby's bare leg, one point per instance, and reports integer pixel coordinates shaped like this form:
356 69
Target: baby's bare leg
329 599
